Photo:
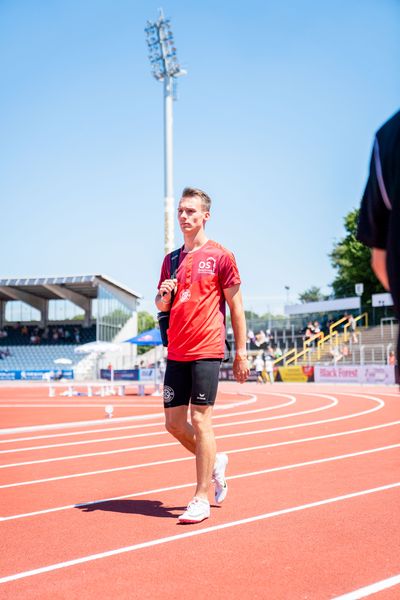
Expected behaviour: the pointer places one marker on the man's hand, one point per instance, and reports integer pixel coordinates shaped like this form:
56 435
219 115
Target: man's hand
166 288
241 368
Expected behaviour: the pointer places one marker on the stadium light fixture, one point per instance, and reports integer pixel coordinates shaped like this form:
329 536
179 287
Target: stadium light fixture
166 68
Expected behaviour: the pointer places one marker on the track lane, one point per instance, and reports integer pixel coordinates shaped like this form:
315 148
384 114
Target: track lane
327 479
296 484
305 461
252 426
114 476
90 466
53 493
287 514
11 416
250 417
90 435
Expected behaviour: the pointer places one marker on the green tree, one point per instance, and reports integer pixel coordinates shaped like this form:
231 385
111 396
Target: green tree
352 262
145 321
313 294
249 314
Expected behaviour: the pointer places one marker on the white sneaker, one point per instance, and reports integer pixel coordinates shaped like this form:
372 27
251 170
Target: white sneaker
218 477
197 510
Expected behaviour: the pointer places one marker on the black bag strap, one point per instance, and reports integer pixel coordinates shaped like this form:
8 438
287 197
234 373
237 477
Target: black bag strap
174 267
228 347
175 262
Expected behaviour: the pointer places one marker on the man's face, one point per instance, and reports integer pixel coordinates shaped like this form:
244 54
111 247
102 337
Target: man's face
191 216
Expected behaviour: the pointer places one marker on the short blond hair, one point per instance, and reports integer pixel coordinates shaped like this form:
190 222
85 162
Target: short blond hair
189 192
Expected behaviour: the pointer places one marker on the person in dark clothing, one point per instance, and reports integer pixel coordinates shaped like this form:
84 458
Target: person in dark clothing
379 220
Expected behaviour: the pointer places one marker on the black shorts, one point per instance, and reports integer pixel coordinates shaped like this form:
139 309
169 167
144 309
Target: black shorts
193 381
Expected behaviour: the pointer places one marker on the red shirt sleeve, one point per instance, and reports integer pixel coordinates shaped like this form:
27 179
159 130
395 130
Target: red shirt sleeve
165 269
228 271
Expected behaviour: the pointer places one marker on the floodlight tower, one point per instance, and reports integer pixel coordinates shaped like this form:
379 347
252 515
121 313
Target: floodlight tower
165 68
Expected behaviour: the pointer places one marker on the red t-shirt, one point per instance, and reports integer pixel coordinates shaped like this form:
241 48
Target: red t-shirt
197 320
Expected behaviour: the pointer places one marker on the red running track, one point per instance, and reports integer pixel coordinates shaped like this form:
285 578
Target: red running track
88 506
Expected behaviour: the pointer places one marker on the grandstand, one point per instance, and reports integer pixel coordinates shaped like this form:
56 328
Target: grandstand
372 343
34 332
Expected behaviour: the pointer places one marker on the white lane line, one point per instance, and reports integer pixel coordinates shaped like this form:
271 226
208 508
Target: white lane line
174 460
153 446
85 442
185 485
380 404
292 400
192 533
102 404
95 424
92 405
139 426
88 455
72 424
151 434
84 432
373 588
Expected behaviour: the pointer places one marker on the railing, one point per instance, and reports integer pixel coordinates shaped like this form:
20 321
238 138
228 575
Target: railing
391 320
389 348
332 335
308 346
293 355
377 353
285 356
346 327
335 324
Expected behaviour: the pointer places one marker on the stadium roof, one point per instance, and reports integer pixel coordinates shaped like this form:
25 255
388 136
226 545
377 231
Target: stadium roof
44 287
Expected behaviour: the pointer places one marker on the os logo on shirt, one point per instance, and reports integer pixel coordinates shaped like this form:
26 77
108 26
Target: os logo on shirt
184 295
208 265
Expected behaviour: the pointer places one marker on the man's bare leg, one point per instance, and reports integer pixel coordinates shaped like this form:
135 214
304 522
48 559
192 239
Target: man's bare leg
205 448
176 424
198 438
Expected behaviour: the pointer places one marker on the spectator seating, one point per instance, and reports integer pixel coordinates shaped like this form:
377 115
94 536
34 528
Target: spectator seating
54 335
39 357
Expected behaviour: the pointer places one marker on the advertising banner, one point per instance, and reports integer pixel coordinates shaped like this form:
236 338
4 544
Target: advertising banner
120 374
226 374
142 375
295 374
149 374
7 375
36 374
378 374
336 374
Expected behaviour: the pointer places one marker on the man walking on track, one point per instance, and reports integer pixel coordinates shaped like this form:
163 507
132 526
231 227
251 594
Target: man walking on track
206 278
379 222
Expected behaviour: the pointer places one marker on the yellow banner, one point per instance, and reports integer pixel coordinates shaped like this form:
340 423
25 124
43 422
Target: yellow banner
294 374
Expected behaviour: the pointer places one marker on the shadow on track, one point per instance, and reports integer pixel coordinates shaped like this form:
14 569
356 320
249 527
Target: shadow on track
150 508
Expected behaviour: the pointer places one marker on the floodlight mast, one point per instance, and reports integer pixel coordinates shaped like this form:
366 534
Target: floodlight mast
165 68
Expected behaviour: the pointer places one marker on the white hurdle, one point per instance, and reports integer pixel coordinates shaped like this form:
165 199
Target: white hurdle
92 389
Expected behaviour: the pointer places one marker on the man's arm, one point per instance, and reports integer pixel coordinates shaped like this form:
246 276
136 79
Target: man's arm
378 263
164 296
233 297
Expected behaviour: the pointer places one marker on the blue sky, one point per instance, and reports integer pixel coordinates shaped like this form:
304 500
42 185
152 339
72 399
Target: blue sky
274 120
